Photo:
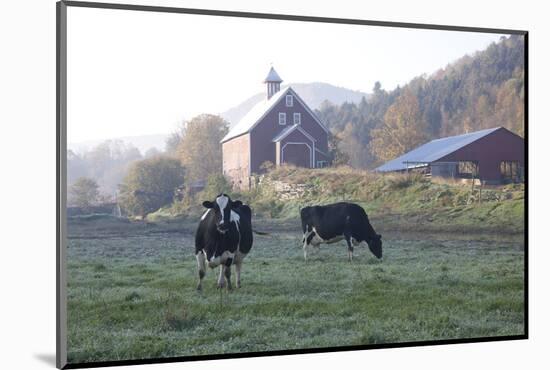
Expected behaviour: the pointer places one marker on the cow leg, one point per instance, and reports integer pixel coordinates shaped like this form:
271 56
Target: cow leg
221 278
347 236
201 263
307 241
238 272
238 264
228 273
305 249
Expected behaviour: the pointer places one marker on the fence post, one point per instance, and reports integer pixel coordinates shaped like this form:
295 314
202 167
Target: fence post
480 188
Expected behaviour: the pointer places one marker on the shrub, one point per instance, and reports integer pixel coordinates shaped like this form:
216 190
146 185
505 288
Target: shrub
150 184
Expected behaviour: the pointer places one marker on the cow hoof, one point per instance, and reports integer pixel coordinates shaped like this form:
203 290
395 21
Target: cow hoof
221 285
199 288
238 284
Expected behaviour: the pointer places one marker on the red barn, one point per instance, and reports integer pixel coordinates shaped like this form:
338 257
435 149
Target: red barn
494 156
280 129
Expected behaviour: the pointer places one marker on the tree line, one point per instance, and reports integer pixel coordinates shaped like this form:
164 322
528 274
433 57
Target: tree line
480 91
116 172
476 92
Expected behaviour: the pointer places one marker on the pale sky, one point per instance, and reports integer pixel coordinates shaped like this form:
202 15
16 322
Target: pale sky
138 73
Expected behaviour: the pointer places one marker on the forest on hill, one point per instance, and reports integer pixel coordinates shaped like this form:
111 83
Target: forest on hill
476 92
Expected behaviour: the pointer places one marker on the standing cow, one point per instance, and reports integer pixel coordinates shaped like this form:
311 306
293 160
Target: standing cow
224 237
334 222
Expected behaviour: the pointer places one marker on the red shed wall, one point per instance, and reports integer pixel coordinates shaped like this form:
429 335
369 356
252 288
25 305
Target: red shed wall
489 151
261 140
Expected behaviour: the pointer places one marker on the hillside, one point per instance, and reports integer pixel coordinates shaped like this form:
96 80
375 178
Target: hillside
480 91
394 203
313 93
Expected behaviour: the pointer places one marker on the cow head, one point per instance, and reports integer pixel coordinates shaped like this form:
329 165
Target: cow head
375 245
222 207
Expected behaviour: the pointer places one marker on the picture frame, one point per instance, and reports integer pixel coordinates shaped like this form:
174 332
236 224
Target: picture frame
62 185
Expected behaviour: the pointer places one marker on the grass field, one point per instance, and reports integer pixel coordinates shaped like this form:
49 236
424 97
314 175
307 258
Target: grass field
133 296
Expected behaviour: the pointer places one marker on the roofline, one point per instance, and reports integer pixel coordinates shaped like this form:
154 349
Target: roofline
311 112
295 94
234 137
494 129
262 116
292 129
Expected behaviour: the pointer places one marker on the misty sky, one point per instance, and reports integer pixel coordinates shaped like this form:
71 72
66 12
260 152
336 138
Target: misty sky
137 73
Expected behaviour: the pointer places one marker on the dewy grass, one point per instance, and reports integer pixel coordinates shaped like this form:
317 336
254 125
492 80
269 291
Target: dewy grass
403 201
135 297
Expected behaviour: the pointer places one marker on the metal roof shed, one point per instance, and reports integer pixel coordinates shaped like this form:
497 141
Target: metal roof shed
490 149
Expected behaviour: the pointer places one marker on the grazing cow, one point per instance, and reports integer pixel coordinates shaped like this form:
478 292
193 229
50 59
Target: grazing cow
334 222
224 237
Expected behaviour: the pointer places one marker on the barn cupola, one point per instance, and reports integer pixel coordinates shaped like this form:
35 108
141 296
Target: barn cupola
273 82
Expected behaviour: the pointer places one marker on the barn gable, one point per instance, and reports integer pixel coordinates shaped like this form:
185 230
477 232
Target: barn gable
291 129
280 129
262 109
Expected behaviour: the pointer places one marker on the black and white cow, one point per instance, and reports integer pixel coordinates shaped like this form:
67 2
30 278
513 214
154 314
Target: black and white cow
334 222
224 237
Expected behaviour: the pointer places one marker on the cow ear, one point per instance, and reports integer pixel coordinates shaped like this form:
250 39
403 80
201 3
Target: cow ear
379 236
237 203
208 204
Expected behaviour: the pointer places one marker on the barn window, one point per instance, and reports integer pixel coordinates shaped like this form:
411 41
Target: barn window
297 118
289 101
468 169
282 118
510 171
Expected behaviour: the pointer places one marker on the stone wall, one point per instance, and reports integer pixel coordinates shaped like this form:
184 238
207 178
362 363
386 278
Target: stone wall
285 191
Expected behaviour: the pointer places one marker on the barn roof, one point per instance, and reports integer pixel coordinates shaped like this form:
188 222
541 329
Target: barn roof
247 123
433 151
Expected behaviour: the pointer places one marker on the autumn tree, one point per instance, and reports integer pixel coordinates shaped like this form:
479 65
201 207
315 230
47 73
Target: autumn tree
150 184
403 129
337 156
173 141
84 192
200 150
476 92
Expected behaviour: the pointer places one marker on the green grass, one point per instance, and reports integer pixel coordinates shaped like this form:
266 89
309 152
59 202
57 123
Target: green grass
134 297
398 201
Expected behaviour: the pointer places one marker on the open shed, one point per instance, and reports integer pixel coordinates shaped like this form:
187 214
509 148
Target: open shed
494 156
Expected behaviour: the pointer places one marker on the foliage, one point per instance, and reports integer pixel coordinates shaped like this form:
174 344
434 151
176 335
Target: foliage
337 156
83 192
216 184
267 166
106 163
199 150
403 128
173 141
150 184
476 92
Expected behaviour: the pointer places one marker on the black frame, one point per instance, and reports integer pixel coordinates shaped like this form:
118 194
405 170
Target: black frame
61 172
